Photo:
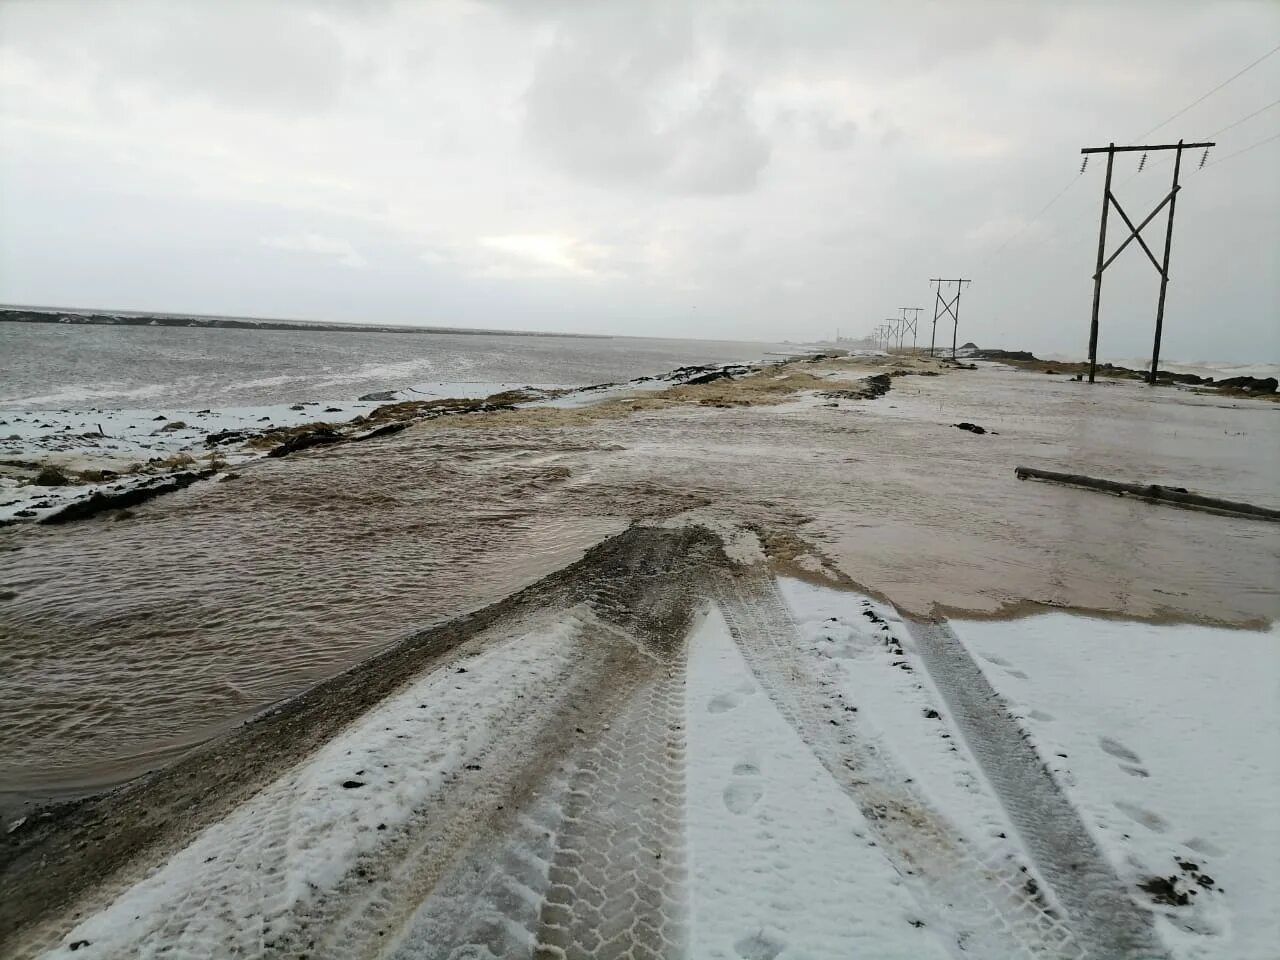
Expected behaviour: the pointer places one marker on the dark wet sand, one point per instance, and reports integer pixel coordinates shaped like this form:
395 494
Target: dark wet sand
126 642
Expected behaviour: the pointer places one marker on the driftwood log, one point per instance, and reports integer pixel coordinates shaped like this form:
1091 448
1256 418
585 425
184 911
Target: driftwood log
1176 496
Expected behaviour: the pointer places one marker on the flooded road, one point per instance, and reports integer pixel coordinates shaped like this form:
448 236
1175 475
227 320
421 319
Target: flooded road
126 641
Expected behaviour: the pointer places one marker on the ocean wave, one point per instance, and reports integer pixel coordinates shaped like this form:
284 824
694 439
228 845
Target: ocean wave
394 374
77 393
277 381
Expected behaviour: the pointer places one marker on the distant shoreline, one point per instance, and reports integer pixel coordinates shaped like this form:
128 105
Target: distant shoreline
79 317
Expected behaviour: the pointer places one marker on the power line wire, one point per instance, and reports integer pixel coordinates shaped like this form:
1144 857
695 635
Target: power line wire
1206 96
1061 193
1043 210
1058 196
1243 119
1160 161
1211 163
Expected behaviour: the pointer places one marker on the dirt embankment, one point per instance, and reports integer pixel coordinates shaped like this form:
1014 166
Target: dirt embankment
1263 387
829 377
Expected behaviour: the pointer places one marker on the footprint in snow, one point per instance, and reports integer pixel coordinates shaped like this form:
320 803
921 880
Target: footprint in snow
1152 821
721 703
741 795
1118 750
1201 845
745 788
759 946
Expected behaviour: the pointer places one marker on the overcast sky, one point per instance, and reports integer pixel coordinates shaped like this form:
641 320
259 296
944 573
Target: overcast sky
715 169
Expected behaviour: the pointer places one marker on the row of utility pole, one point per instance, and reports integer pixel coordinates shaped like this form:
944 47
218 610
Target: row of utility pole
891 334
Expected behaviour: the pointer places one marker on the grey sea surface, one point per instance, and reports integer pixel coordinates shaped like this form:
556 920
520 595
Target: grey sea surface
54 366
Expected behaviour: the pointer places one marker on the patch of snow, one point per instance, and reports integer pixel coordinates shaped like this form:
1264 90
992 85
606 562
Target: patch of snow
589 397
781 863
1167 739
592 395
471 389
115 440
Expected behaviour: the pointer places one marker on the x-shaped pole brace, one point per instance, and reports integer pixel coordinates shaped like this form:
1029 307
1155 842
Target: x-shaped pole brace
1135 233
947 305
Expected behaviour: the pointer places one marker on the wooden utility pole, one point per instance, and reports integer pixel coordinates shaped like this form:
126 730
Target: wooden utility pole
1097 275
1135 233
909 324
943 305
891 332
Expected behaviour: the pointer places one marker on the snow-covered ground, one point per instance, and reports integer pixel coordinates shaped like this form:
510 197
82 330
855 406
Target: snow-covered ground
466 389
102 438
123 441
1166 739
781 860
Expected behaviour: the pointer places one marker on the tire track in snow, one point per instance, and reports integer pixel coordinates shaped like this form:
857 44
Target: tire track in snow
617 879
487 906
594 860
1102 912
985 906
480 801
596 866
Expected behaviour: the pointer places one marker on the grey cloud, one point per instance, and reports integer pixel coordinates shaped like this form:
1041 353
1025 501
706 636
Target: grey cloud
716 147
834 134
280 57
886 130
869 38
589 116
614 106
248 57
827 130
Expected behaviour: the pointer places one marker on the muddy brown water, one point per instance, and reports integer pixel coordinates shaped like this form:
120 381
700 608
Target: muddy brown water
125 642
